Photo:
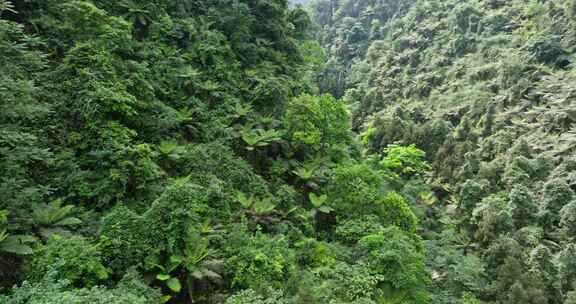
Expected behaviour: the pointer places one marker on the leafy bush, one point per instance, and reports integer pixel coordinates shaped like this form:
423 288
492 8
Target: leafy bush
74 259
128 238
250 296
352 230
317 122
354 188
125 239
407 161
218 160
340 283
50 290
259 261
393 210
398 258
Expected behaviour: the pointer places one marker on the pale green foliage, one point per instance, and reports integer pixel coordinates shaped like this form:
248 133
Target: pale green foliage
393 210
308 170
353 230
407 161
258 206
354 188
341 283
17 244
568 218
258 138
7 6
317 122
470 299
319 202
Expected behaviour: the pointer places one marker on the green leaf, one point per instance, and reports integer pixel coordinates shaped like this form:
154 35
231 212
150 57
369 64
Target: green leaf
4 216
316 200
3 235
69 221
174 285
264 206
163 277
176 259
167 147
242 109
325 209
17 244
245 201
47 233
306 172
259 137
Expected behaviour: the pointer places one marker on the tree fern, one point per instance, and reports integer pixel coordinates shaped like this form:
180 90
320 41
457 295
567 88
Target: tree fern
54 218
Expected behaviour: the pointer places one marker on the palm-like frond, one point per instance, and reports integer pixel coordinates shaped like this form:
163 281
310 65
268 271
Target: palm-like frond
16 244
54 218
259 137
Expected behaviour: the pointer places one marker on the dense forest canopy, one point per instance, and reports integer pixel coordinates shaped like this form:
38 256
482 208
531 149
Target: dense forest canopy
288 152
486 90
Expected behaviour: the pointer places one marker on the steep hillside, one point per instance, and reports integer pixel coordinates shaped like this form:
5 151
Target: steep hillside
169 151
348 27
184 151
486 89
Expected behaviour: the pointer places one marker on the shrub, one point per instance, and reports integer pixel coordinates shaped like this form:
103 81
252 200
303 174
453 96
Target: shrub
220 161
74 259
354 189
398 258
125 239
259 261
250 296
340 283
51 291
393 210
317 123
128 238
406 161
352 230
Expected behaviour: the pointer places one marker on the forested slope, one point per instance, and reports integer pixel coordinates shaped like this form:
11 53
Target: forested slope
165 151
254 151
486 89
